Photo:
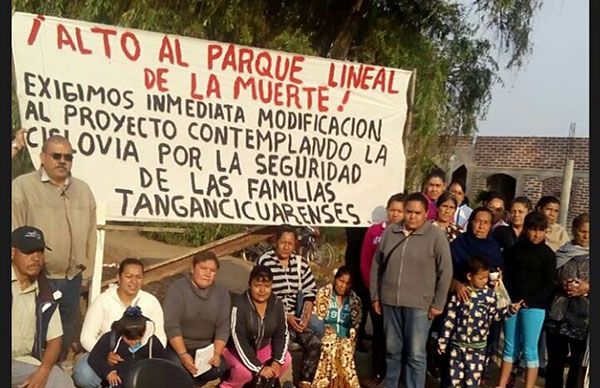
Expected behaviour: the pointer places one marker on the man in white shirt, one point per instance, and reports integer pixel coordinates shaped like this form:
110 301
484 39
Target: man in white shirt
109 307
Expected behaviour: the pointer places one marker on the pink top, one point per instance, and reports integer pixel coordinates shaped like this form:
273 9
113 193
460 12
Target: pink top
431 209
369 246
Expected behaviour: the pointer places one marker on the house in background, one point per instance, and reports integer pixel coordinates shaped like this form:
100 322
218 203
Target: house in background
513 166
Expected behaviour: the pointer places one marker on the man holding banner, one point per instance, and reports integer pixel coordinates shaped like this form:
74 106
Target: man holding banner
65 209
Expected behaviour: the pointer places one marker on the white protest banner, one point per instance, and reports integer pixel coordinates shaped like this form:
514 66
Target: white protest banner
169 128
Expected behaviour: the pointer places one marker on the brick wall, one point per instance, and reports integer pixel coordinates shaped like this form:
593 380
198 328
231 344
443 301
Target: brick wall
580 195
532 188
530 152
543 153
475 185
457 141
552 186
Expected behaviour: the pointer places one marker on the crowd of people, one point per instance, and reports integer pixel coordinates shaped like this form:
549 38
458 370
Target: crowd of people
442 283
451 281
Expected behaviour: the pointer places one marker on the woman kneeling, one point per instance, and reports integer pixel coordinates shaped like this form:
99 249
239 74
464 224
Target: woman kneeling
338 309
259 336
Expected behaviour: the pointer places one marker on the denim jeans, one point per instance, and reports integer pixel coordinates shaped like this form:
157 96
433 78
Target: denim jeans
68 306
83 374
20 372
524 329
317 325
406 331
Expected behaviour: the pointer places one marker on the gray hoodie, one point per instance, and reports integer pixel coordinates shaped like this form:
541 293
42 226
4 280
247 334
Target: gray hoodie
419 270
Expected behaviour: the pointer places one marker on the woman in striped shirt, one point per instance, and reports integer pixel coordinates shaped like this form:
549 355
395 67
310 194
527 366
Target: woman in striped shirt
295 286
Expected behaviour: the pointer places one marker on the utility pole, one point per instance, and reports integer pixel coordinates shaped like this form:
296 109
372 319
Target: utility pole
565 196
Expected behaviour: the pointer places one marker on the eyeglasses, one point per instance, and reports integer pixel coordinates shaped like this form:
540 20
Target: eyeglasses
57 156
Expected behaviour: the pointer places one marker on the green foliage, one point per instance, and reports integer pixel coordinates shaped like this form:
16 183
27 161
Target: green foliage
21 162
293 41
511 22
195 235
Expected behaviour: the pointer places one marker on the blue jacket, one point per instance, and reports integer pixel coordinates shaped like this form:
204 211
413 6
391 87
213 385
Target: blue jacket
45 306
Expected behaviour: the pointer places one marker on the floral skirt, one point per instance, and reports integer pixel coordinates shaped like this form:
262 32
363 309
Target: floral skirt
336 368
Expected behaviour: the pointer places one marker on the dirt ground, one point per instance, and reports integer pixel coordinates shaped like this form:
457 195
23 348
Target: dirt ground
233 275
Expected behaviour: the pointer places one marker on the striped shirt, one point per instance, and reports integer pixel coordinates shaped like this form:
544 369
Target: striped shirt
285 280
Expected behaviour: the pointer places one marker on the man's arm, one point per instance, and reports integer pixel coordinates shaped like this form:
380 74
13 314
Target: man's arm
19 206
18 142
443 271
39 378
92 239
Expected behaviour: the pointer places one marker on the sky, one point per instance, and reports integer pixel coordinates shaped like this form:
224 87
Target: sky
552 89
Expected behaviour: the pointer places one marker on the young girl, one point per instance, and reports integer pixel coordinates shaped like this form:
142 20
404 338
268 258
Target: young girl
529 274
130 339
466 326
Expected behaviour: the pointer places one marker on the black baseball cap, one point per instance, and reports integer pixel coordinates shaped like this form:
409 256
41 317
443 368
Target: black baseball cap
28 239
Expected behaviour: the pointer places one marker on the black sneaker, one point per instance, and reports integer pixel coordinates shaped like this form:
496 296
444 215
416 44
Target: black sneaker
514 375
542 372
361 347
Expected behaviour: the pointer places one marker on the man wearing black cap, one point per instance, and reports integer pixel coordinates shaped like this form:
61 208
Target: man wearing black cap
36 328
64 208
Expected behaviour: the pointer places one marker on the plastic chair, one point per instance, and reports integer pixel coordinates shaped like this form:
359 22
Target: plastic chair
158 373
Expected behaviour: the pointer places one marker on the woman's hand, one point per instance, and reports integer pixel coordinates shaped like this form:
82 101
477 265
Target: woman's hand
113 358
215 361
295 323
461 291
441 348
113 378
495 277
433 312
305 319
515 307
188 363
276 368
578 288
376 307
329 330
267 372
